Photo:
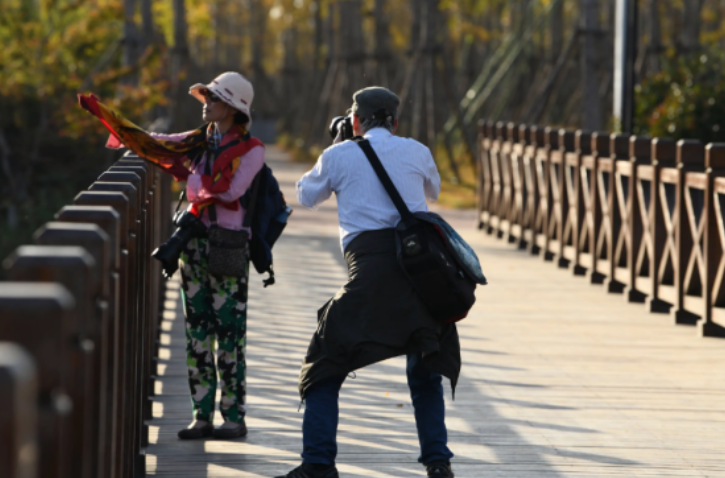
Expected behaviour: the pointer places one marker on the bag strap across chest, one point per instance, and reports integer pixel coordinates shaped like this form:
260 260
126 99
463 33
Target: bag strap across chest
250 210
405 214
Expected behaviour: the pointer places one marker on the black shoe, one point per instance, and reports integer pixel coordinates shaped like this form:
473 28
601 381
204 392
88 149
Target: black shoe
439 469
230 433
312 471
196 433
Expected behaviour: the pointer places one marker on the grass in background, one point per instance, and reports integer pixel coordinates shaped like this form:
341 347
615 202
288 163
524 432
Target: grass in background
456 194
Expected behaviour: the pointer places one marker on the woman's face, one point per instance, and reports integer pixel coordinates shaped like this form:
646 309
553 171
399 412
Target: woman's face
215 110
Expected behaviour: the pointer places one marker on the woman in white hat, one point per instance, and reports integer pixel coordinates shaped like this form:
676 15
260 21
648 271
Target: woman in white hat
219 163
217 306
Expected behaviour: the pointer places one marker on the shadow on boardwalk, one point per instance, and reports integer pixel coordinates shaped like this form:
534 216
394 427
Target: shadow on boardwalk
559 379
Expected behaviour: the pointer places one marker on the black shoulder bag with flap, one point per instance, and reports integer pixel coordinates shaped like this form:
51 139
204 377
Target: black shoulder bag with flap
227 248
424 252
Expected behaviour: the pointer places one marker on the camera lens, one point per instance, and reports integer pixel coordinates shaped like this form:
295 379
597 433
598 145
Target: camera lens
335 126
168 253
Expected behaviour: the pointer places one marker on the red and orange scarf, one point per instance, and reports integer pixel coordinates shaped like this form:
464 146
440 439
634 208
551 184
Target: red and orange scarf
176 158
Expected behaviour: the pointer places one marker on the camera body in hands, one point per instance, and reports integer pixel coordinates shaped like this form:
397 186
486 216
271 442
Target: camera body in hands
342 126
188 226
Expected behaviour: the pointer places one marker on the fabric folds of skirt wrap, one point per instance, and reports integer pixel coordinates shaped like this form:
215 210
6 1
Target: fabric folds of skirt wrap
377 315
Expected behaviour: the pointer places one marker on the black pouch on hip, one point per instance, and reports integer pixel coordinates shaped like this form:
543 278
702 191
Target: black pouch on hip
228 249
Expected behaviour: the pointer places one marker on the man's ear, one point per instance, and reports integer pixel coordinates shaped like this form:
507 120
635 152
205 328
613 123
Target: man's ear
395 126
355 124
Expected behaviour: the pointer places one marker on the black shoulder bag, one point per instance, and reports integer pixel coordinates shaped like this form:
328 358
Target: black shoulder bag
431 266
228 249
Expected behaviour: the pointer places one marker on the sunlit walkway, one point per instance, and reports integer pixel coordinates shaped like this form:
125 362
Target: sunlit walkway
559 379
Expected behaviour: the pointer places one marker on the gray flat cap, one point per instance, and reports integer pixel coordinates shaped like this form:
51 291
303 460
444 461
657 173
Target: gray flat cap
374 101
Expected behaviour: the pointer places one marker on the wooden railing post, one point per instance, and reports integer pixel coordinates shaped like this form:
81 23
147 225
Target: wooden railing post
73 268
151 271
619 149
108 220
517 227
637 214
640 153
505 222
714 257
134 180
126 206
95 241
537 183
664 155
530 195
497 163
42 319
483 175
549 190
600 228
690 159
577 186
18 412
561 204
94 335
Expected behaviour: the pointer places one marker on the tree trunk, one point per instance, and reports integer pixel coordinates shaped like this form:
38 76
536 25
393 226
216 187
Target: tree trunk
181 34
692 22
319 36
431 39
147 23
655 34
382 45
218 51
259 30
263 86
591 107
354 46
557 32
180 63
131 42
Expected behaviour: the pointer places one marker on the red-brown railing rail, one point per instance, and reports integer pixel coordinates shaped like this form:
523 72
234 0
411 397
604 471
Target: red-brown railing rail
645 217
79 330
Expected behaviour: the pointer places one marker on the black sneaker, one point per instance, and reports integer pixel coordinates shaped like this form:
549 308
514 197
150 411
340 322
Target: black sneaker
312 471
439 469
230 433
196 433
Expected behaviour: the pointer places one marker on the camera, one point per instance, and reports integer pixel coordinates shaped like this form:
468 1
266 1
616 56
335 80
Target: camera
343 125
188 226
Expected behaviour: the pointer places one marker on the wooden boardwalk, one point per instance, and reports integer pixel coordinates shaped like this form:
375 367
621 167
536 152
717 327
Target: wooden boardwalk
559 379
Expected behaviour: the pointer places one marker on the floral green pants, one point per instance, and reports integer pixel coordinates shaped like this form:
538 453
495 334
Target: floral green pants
214 307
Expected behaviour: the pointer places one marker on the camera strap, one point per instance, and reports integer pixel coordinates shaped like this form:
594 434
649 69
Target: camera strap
384 178
253 200
250 210
182 196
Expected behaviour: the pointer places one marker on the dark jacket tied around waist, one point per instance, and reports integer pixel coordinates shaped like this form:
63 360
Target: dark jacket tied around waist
375 316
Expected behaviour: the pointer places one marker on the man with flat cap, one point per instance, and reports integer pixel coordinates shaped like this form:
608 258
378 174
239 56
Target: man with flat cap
377 314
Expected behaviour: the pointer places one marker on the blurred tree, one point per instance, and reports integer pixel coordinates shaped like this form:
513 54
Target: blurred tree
692 21
49 148
685 99
592 110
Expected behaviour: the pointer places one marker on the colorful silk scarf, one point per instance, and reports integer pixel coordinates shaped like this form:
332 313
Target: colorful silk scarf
173 157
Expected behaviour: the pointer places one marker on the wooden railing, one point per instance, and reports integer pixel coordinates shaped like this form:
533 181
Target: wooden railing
645 217
79 327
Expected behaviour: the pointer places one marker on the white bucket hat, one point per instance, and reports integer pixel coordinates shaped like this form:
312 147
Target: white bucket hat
233 89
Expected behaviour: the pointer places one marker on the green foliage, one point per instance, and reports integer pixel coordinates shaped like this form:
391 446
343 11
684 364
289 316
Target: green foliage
50 149
685 100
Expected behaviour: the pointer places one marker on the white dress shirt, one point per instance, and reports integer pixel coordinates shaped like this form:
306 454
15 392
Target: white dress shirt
363 204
